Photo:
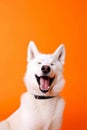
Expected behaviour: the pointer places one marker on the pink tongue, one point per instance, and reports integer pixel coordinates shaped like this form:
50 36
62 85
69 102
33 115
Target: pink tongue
44 84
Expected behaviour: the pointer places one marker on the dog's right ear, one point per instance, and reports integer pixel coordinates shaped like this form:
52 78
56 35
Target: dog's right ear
32 51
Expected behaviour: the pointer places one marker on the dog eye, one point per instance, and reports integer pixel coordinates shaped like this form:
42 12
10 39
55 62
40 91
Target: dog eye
52 64
39 62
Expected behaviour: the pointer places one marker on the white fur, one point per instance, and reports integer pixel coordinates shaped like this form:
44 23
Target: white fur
37 114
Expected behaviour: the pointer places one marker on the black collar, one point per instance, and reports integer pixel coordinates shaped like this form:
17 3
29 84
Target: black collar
43 97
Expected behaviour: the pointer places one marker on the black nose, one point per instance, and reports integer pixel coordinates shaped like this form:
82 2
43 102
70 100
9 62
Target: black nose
45 69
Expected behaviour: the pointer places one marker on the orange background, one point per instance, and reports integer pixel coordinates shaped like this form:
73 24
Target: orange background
48 23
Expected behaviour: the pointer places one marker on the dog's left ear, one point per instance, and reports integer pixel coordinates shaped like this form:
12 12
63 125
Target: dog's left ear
32 51
60 53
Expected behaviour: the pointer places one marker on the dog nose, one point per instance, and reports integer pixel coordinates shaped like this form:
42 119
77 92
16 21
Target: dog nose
45 69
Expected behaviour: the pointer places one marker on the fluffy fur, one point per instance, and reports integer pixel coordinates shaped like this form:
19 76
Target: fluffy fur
43 78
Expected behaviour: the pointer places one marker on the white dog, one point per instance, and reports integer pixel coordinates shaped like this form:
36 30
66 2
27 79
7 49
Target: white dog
41 106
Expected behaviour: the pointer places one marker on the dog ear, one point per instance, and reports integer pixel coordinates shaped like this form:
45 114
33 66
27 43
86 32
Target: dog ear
60 53
32 51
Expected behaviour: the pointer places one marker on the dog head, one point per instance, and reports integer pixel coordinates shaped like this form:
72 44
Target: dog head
44 71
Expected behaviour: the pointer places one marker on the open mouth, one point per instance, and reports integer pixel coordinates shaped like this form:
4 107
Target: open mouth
44 82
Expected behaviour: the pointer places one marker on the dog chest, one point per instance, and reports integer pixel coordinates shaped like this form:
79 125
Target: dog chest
39 114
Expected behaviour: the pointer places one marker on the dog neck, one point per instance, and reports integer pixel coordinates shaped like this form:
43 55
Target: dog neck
43 97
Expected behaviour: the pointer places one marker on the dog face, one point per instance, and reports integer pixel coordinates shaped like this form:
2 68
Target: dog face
44 71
